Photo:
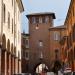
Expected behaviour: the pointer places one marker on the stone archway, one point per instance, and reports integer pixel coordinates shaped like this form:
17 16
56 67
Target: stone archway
57 66
8 45
12 64
41 68
8 57
3 54
15 60
3 42
18 62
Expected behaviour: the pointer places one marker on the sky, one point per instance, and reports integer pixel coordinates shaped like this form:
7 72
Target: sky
59 7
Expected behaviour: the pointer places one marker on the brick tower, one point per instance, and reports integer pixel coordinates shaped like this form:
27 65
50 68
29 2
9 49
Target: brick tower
39 44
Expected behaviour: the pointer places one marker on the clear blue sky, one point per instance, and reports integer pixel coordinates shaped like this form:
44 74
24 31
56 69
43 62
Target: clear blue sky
59 7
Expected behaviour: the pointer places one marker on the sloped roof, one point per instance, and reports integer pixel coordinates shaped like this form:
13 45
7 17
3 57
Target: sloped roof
42 13
58 27
20 5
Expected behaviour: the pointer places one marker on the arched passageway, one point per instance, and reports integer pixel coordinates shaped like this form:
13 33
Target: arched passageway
3 55
15 60
57 66
8 57
41 68
12 60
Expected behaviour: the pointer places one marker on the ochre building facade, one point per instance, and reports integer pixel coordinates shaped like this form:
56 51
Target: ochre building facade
55 47
68 40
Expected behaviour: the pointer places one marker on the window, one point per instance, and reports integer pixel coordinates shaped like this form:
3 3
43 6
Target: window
12 2
4 11
33 20
37 19
56 36
46 19
27 55
15 30
70 39
56 53
73 11
27 43
40 55
40 43
12 25
23 54
40 20
8 20
43 19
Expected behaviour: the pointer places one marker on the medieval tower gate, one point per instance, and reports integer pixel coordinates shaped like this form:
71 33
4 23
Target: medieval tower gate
39 39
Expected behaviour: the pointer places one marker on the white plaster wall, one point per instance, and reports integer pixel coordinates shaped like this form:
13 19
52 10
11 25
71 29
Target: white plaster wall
8 32
0 15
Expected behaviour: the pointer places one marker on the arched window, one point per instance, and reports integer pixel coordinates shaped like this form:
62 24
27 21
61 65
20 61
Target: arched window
12 26
27 54
4 12
56 36
8 20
